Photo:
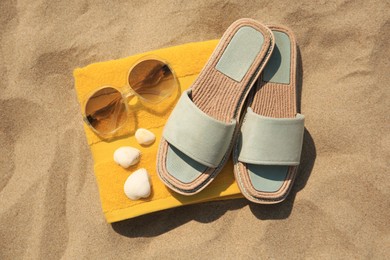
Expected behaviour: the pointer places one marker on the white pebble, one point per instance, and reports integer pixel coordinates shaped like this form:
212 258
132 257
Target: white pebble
144 136
126 156
137 185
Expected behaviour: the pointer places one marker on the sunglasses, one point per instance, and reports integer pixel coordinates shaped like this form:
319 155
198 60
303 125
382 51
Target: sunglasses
106 109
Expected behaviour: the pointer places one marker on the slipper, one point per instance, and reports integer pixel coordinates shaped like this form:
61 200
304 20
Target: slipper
201 130
269 146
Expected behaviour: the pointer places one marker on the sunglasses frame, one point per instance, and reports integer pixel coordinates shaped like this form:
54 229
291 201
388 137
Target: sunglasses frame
127 92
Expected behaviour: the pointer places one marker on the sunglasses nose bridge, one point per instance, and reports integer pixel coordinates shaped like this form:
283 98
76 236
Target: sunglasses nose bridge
127 92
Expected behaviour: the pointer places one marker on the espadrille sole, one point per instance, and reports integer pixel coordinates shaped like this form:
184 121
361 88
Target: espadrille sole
275 100
220 93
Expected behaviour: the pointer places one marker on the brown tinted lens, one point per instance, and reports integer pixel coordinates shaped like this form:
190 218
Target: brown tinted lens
152 80
105 110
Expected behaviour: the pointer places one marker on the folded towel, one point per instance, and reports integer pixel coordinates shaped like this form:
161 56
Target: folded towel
187 61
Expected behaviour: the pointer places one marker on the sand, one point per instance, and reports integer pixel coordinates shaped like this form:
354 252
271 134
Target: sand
49 206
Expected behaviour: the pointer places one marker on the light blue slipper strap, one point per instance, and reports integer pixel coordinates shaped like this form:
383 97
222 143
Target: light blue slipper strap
196 134
271 141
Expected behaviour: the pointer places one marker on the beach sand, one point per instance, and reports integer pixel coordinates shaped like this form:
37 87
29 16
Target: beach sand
339 207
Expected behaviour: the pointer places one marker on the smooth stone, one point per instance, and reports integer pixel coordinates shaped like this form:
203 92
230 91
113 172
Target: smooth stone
127 156
138 185
144 136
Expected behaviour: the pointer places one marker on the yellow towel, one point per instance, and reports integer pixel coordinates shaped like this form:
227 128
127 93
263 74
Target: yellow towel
187 61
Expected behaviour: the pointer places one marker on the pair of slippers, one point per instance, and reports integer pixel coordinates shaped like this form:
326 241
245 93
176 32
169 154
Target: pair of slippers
253 67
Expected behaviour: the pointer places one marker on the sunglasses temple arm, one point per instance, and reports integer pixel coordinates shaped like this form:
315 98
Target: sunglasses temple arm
116 116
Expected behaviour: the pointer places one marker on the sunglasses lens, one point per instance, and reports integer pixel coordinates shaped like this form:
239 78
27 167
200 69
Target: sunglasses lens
105 110
153 80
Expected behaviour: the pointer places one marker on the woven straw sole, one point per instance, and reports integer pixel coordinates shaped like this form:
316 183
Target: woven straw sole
221 98
271 100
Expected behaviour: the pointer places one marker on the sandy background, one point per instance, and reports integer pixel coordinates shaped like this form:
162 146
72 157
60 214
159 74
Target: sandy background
49 206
